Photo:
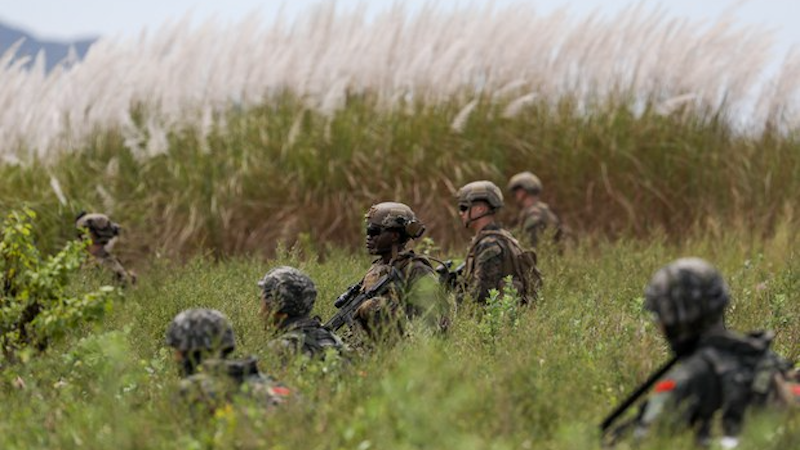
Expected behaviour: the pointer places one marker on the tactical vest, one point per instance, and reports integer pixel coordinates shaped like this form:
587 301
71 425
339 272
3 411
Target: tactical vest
402 263
519 262
220 381
309 337
749 374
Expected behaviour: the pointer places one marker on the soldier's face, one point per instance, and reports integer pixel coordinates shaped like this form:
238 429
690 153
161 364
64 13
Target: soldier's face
463 212
380 240
520 195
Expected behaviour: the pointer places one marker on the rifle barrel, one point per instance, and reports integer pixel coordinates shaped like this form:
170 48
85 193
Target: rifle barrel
643 388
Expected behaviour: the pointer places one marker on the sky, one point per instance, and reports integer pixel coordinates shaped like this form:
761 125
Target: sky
72 19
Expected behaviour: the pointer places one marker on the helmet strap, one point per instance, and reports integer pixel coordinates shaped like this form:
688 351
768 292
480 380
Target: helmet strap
470 219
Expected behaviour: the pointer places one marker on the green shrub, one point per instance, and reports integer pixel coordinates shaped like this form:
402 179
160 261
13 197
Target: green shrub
35 307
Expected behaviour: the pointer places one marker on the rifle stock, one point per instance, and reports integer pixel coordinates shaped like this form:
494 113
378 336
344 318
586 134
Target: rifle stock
643 388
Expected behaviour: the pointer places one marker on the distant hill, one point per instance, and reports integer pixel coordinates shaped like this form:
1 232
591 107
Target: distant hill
54 51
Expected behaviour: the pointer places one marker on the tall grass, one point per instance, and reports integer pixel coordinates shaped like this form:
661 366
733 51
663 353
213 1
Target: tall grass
545 384
149 87
281 172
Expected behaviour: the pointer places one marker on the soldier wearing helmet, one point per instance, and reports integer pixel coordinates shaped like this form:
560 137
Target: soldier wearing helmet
535 216
415 291
494 253
102 233
287 299
203 339
720 373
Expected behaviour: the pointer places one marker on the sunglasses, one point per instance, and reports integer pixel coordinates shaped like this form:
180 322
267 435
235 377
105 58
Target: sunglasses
463 207
374 230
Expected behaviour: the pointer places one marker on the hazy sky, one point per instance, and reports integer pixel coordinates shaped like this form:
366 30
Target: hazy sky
67 19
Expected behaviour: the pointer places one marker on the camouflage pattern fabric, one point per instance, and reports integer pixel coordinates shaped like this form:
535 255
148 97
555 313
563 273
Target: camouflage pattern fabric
102 229
725 376
103 234
305 336
290 291
687 296
536 218
122 276
219 382
493 255
417 294
200 329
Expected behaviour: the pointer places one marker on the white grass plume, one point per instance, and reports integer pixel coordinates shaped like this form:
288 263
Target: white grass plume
179 76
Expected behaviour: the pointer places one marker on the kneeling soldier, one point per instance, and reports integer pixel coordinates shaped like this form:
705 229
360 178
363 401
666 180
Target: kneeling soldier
719 374
287 299
414 290
103 233
203 339
494 253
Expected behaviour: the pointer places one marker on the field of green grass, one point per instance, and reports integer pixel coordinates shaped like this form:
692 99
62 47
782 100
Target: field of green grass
270 148
545 384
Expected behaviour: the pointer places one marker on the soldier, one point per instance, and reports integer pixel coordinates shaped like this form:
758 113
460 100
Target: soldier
534 216
103 233
494 253
719 373
287 299
203 339
415 290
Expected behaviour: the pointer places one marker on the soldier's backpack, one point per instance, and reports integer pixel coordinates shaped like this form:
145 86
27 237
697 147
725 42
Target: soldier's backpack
525 261
750 375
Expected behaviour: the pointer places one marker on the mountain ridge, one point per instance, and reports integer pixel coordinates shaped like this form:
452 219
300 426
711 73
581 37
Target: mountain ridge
55 51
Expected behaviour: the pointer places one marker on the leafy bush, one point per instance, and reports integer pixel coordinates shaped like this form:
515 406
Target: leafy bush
35 307
501 312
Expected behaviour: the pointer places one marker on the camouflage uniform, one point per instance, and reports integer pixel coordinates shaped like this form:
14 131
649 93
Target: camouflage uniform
291 293
412 295
219 382
204 338
415 292
720 373
306 336
495 253
103 233
534 219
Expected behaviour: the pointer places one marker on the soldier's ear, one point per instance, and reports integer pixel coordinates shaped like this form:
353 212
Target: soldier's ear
397 236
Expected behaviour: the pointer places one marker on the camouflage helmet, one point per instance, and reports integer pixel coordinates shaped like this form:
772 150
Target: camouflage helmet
289 291
687 296
395 215
481 191
103 230
205 330
526 181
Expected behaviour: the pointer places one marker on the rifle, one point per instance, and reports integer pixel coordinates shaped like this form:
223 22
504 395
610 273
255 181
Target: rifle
641 390
348 294
448 277
351 300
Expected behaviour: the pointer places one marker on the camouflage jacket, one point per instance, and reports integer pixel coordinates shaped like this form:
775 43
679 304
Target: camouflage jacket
534 219
494 255
415 294
725 376
122 276
307 336
219 382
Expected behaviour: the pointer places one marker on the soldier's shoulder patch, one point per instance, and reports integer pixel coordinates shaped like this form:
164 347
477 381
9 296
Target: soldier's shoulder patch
281 391
667 385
